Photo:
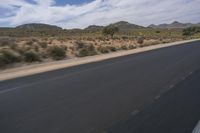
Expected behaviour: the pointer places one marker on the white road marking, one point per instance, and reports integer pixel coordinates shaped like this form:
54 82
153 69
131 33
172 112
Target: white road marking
171 86
190 73
157 97
197 128
135 112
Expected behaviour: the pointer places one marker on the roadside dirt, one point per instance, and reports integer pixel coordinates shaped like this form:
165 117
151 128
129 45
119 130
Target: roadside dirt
50 66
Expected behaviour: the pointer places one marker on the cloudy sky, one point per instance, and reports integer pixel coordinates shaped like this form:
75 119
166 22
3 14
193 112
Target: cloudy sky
81 13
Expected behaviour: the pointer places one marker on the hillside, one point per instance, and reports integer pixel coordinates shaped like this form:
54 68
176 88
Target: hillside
174 24
94 28
122 25
38 26
126 26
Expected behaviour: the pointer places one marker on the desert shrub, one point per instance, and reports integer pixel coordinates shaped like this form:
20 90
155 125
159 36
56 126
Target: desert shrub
83 53
30 42
191 31
31 56
87 51
43 44
8 57
71 48
57 52
91 47
103 49
36 48
132 47
157 31
2 60
13 46
110 30
101 38
168 41
34 40
124 47
80 45
4 43
140 40
21 50
124 37
8 43
64 47
143 45
112 48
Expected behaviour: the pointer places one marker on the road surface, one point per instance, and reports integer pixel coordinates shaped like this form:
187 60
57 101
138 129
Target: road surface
177 111
100 97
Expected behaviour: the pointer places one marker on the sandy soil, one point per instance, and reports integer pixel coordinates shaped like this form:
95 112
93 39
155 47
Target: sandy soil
50 66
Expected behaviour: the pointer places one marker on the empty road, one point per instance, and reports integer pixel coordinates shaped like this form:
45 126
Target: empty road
108 96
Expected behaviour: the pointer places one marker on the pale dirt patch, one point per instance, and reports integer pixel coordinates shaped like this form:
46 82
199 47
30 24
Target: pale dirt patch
50 66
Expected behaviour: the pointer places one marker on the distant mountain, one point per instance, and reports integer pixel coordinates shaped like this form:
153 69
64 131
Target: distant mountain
122 25
197 24
6 28
38 26
94 28
126 26
175 24
152 26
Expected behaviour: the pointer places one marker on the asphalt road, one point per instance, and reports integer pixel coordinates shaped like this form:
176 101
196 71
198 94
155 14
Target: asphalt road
177 111
102 96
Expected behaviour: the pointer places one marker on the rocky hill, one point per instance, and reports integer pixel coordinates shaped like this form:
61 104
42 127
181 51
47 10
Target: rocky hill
94 28
38 26
126 26
174 24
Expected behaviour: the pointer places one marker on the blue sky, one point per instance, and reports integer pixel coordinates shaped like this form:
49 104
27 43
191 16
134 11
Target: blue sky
81 13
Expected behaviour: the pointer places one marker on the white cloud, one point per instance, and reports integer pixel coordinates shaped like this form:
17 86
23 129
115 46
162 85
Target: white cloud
45 2
101 12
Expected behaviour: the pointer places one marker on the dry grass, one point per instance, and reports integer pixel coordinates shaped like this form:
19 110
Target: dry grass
69 45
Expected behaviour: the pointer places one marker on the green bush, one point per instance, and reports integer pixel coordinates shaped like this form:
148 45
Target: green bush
132 47
112 48
83 53
31 57
140 40
124 47
103 50
110 30
157 31
87 51
8 57
43 44
191 31
8 43
57 53
125 37
80 45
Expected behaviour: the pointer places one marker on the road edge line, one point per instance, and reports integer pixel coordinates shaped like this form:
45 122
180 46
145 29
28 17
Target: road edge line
197 128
